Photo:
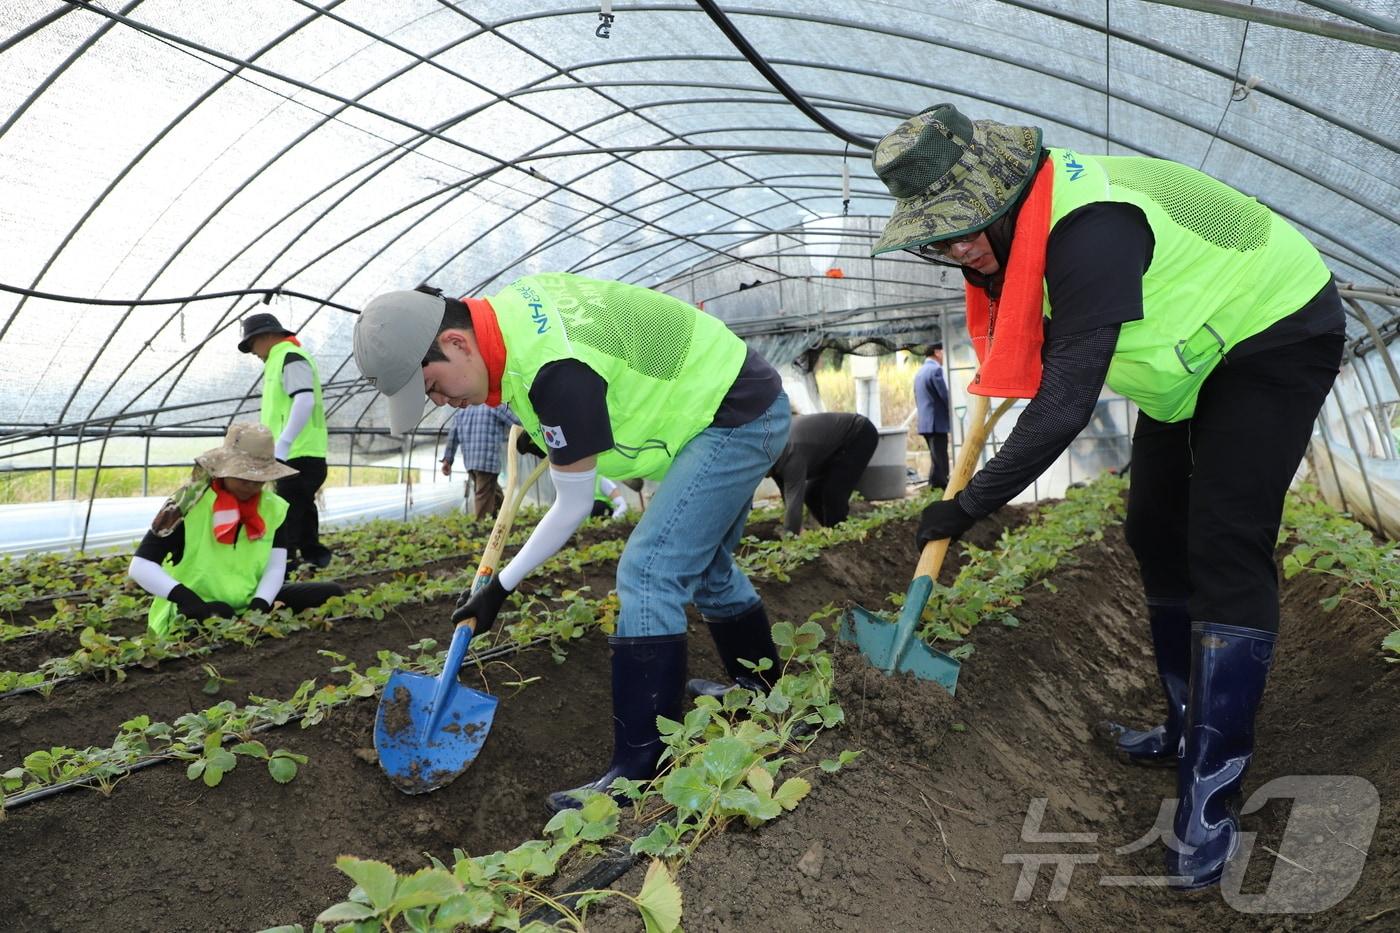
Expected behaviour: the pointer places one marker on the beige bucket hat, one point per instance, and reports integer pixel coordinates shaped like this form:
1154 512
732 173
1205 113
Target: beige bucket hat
247 452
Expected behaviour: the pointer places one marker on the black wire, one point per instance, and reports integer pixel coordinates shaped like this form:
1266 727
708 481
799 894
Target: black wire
267 295
781 86
1221 122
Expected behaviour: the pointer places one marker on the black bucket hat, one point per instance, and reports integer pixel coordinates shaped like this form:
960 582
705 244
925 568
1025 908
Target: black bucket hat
255 325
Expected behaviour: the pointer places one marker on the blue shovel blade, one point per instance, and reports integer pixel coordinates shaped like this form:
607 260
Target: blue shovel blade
876 639
418 750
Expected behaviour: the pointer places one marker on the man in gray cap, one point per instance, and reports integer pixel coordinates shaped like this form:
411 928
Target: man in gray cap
226 553
294 412
1144 275
629 382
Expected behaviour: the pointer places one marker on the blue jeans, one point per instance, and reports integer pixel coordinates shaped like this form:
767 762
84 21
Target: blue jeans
682 550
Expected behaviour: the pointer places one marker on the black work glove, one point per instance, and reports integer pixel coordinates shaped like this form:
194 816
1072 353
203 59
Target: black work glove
943 519
525 444
260 605
481 605
192 607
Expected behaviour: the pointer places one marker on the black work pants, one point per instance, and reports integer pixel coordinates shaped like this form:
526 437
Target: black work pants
828 494
938 458
1206 494
299 596
303 522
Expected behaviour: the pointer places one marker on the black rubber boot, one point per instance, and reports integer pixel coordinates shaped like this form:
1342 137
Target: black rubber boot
1229 667
746 636
647 679
1171 642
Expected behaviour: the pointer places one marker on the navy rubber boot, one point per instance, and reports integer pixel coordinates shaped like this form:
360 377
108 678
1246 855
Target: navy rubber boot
1170 624
1230 665
648 677
748 636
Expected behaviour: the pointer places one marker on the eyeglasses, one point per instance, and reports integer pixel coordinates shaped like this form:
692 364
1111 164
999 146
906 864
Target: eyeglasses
939 248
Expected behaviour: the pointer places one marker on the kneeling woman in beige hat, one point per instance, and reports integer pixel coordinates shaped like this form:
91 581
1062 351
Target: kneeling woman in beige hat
227 554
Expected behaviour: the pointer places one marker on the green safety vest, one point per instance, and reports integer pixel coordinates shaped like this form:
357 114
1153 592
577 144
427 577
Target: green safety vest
277 404
1224 267
216 572
667 364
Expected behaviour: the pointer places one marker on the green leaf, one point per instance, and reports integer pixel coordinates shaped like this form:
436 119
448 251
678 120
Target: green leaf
726 759
653 843
600 813
567 823
660 900
686 789
282 768
1392 642
473 908
223 759
1331 602
376 879
347 910
424 887
760 780
792 791
254 749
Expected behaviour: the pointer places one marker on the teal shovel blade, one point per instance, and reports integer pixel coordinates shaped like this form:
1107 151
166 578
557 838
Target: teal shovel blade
429 729
891 647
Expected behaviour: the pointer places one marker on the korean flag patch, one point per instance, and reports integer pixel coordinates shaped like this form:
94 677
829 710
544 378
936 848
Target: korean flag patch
554 436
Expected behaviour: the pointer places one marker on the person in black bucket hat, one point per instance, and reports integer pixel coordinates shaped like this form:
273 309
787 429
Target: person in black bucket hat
1145 275
294 412
255 325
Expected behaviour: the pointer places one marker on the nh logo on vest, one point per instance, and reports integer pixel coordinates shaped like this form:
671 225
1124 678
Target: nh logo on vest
537 315
1072 166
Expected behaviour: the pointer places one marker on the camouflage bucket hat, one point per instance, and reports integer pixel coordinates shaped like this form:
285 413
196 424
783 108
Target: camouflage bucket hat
952 175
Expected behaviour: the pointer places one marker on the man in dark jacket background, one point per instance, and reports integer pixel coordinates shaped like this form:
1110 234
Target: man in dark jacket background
931 398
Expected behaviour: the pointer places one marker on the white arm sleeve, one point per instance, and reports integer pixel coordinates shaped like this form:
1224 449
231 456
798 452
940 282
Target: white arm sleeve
572 502
273 575
303 403
151 577
607 486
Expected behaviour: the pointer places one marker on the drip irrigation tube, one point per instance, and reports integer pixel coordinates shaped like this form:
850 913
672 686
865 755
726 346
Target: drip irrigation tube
40 793
605 870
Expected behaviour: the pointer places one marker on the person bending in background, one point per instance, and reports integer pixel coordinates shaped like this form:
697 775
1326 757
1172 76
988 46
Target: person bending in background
826 454
1214 315
931 401
229 553
480 431
293 411
608 499
612 377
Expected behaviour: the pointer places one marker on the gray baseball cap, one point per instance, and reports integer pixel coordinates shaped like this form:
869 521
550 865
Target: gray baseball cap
393 334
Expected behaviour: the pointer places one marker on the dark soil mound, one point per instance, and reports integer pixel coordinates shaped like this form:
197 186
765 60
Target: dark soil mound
914 835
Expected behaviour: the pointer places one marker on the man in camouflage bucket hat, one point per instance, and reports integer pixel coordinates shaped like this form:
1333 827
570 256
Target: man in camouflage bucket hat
952 176
1144 275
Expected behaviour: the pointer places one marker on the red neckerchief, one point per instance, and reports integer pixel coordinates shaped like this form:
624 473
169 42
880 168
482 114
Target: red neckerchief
231 511
1007 333
291 338
491 344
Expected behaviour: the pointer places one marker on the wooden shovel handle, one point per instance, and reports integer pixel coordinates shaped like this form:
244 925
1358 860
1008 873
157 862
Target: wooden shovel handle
505 518
979 426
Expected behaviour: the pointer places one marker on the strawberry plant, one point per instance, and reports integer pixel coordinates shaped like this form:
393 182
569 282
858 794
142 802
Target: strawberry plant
1334 545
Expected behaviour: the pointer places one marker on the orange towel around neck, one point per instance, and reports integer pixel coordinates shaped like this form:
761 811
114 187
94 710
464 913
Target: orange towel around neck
1007 333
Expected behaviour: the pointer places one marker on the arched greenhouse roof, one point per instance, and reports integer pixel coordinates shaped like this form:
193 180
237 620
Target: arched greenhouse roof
323 152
